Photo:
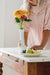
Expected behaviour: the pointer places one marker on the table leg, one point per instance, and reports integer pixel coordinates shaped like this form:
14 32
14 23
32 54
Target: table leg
1 68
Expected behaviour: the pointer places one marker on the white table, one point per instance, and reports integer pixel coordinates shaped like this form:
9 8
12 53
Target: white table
26 65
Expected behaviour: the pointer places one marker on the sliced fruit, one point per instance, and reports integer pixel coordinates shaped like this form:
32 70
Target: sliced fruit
35 51
29 51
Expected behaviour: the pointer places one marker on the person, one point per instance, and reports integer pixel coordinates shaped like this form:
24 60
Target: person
37 32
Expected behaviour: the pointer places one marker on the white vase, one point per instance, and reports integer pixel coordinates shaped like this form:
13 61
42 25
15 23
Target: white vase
23 46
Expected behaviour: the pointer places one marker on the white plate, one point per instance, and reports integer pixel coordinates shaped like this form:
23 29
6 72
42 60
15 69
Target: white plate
31 55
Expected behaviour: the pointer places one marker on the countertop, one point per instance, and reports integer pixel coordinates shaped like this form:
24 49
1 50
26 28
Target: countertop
45 56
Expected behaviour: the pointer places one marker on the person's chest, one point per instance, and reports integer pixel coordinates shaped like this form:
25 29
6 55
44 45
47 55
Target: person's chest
37 19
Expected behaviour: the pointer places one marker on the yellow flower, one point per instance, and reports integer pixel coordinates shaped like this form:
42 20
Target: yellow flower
19 13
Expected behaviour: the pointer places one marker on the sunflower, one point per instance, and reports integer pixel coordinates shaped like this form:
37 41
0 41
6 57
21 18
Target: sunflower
19 13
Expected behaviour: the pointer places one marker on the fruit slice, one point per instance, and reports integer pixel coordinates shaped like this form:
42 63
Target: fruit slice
29 51
35 51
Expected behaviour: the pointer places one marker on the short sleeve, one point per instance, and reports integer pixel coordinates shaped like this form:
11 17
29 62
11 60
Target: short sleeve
25 5
47 18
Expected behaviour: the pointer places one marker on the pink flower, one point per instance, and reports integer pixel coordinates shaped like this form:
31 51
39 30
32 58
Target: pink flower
24 16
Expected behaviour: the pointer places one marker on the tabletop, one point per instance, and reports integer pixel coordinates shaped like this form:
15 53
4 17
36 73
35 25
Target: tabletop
44 57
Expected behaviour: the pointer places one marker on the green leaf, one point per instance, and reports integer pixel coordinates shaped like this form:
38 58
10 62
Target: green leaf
17 20
27 20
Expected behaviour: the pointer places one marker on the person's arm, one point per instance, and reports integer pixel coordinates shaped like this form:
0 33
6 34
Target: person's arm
46 34
25 37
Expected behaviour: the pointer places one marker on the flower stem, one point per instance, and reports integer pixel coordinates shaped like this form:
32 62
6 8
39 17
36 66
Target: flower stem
21 21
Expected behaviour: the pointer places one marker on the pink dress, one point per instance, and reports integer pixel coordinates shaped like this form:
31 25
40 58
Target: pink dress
40 22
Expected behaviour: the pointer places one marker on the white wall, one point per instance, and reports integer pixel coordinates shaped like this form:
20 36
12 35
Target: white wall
9 34
11 28
2 22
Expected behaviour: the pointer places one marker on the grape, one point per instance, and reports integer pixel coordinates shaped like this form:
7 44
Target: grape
34 49
24 51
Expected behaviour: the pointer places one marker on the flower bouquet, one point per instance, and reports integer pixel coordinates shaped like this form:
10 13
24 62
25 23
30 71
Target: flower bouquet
20 18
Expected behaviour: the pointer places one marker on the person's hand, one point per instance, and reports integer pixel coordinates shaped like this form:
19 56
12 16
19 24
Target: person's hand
19 44
37 47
